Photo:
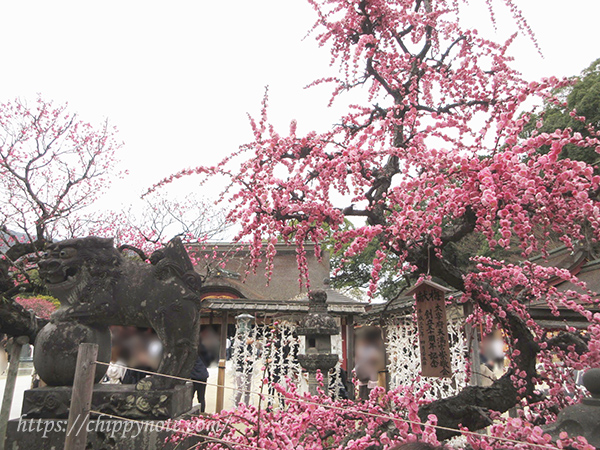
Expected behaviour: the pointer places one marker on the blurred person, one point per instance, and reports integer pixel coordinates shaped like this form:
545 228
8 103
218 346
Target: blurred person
369 359
205 354
117 367
200 373
498 349
154 351
137 356
228 348
493 350
211 342
486 375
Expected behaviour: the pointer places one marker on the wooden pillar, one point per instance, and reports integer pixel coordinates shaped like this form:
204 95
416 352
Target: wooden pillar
473 345
344 343
81 397
9 388
350 353
222 363
223 340
221 386
383 379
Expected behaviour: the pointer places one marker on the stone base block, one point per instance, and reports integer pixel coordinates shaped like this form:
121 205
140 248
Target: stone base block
121 400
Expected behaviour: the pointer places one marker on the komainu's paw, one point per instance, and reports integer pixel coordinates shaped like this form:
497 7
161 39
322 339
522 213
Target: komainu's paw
145 384
59 315
154 382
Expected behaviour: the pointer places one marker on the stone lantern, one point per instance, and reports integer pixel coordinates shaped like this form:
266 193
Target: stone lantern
582 419
244 323
317 327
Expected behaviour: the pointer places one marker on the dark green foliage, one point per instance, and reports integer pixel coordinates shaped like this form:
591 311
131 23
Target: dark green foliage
353 275
584 97
356 273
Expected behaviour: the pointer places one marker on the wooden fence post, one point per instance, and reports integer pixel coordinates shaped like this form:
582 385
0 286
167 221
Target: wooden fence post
473 343
350 355
222 362
221 386
81 398
9 388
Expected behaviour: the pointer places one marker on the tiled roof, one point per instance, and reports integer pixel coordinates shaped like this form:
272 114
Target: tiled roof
278 306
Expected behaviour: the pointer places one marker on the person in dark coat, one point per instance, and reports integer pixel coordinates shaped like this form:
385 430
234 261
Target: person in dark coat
200 373
207 356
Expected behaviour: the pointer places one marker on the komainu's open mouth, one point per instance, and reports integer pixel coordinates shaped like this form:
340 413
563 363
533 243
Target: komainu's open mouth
60 277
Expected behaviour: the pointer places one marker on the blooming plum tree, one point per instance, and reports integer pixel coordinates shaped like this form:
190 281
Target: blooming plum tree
52 164
432 156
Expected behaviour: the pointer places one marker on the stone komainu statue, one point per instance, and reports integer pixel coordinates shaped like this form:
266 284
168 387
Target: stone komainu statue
97 285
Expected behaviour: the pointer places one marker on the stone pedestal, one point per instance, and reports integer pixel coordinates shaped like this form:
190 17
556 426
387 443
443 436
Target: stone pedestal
582 419
116 399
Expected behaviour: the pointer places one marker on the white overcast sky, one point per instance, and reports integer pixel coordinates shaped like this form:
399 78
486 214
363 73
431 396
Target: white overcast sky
177 78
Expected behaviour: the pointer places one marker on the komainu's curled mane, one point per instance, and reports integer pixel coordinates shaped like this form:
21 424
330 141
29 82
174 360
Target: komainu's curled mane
98 286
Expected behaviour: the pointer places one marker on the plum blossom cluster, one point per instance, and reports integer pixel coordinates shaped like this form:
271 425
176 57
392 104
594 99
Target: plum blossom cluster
310 422
524 432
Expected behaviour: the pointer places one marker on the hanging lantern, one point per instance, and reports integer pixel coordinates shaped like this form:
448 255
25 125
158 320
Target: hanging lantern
430 300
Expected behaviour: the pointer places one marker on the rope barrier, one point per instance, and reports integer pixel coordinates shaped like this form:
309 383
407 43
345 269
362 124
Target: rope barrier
245 391
189 433
346 410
